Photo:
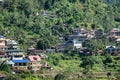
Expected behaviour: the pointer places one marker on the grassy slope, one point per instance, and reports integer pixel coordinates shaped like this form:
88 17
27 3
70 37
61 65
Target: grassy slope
72 66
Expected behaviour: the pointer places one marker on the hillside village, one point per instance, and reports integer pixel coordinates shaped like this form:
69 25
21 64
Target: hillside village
59 40
11 54
30 59
80 38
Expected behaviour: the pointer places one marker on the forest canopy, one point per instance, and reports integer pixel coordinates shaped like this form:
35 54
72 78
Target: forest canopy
30 21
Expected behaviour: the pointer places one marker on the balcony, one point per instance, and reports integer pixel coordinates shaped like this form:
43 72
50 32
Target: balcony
20 68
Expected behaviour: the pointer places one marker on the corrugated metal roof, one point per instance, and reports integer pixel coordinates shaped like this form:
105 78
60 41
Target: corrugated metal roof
14 50
10 62
21 61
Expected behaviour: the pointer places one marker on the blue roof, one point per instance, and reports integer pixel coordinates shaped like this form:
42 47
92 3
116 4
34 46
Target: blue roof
1 36
21 61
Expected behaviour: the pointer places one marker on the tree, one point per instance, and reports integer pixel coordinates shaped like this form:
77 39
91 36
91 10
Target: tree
17 15
60 77
47 4
43 44
4 67
25 74
40 44
93 26
108 60
87 63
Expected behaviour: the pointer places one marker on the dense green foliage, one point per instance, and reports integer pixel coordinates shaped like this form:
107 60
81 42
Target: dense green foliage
4 66
24 20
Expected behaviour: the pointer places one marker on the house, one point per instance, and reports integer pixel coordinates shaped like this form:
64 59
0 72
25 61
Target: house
112 49
12 50
17 57
114 34
41 53
3 56
74 43
81 34
14 54
78 37
34 51
9 49
2 40
34 63
20 65
89 34
85 51
11 43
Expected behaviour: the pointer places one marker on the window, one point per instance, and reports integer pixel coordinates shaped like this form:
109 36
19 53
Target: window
24 64
16 64
20 64
17 56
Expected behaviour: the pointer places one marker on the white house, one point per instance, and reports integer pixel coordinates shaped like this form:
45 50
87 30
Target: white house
74 43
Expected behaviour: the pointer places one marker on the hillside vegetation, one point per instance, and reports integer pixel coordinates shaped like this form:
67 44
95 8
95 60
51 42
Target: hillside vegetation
29 21
41 24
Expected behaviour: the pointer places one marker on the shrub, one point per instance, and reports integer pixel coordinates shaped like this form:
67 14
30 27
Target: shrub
108 60
60 77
